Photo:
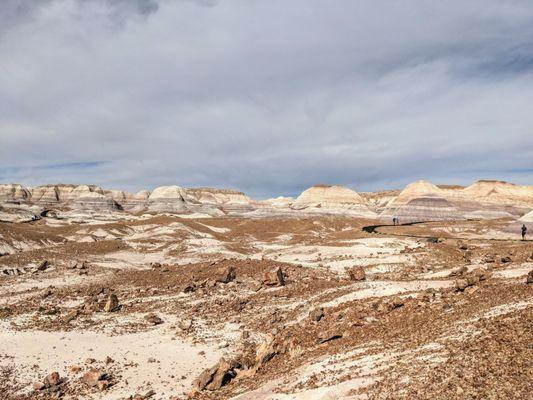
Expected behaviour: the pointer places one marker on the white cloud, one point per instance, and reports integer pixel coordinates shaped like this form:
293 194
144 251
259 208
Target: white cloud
268 97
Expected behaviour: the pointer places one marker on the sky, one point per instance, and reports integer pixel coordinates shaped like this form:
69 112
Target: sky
268 97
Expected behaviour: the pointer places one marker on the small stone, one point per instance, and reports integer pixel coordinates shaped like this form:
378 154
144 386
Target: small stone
506 259
274 278
112 303
74 369
529 278
461 284
185 325
92 377
42 265
52 380
72 315
357 274
153 319
316 314
227 276
324 337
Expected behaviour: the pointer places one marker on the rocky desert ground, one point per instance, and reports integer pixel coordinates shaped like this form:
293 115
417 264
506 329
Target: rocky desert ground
207 294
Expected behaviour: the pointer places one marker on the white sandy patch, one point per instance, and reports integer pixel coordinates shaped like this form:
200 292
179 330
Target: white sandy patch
511 273
121 259
360 252
216 228
366 290
56 351
41 282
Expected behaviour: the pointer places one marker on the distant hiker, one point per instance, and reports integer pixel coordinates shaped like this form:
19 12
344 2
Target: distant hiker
524 231
394 220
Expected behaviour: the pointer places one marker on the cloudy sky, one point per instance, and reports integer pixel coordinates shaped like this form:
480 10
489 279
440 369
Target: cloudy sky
265 96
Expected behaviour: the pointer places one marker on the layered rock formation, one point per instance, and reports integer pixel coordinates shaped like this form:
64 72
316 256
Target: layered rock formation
332 199
169 199
228 201
419 201
13 193
527 217
424 201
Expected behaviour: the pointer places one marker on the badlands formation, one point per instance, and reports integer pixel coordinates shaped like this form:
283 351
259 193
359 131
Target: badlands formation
419 201
204 293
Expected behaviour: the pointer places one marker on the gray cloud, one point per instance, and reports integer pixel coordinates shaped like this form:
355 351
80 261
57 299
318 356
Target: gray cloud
268 97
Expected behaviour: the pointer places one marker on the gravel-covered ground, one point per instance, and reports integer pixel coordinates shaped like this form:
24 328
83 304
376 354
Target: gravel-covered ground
164 307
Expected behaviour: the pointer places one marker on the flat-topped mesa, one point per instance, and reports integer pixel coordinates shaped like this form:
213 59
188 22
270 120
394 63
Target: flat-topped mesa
332 199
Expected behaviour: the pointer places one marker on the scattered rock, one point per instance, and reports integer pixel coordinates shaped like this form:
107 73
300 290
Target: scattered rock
153 319
217 376
459 272
185 325
189 288
112 303
96 378
265 351
228 275
357 274
74 369
43 265
482 274
52 380
506 259
461 284
71 316
274 278
529 278
316 314
325 336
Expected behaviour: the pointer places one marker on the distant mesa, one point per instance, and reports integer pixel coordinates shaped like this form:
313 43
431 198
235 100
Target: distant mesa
332 199
418 201
424 201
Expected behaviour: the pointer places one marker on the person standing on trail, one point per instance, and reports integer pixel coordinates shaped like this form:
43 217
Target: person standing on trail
524 231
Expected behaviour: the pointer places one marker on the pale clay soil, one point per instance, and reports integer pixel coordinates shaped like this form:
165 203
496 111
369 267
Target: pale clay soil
383 336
